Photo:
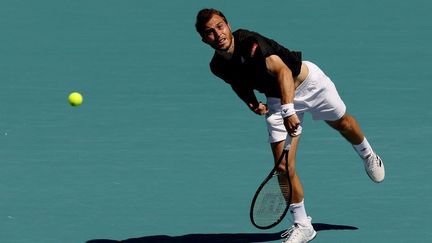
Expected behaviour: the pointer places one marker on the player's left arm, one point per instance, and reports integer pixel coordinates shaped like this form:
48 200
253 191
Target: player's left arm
283 74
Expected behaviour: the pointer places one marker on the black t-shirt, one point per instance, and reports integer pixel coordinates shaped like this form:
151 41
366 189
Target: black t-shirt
246 70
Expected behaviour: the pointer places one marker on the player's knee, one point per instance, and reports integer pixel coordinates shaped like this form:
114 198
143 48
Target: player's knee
291 169
344 124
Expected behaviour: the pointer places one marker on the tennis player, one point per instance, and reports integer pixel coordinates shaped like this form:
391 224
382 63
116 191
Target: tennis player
248 61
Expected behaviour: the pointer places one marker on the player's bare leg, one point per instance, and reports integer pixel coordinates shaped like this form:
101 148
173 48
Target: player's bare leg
302 229
349 128
277 149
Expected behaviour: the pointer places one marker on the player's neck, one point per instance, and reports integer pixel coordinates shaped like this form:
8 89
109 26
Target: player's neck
227 54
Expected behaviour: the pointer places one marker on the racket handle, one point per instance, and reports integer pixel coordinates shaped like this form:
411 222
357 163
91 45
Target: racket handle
298 131
287 145
289 138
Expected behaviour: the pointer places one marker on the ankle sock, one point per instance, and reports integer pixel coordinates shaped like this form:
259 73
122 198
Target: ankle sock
298 213
363 149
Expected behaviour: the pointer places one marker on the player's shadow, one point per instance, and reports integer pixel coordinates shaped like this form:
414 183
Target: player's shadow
220 238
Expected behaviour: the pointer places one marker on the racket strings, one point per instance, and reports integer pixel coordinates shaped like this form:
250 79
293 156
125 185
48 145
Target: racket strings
272 202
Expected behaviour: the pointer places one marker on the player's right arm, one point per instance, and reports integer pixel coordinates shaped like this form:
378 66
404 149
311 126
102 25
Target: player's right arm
283 74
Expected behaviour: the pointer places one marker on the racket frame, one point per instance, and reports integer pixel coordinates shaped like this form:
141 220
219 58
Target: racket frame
262 185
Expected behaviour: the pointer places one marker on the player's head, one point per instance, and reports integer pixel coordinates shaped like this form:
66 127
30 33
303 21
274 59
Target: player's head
214 29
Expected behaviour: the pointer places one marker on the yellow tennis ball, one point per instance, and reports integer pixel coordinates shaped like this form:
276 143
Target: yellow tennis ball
75 99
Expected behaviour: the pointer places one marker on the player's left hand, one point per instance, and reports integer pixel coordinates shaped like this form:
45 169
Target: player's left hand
262 109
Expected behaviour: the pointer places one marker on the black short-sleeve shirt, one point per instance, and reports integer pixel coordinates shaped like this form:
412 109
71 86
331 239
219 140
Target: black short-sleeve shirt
246 70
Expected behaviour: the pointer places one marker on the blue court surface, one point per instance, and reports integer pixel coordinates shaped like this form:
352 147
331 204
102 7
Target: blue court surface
163 151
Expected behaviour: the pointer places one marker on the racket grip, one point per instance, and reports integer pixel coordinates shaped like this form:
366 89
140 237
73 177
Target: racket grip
298 131
288 140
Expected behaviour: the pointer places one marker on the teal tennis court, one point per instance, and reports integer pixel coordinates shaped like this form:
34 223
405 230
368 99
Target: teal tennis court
163 151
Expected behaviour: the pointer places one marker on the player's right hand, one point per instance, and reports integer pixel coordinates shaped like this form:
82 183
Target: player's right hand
292 125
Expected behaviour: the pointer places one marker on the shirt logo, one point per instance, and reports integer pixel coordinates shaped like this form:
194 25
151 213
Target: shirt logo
254 47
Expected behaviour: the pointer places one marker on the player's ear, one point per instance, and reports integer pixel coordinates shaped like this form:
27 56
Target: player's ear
204 40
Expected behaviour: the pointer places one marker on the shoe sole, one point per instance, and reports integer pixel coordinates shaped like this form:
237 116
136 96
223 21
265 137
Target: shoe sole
313 236
376 181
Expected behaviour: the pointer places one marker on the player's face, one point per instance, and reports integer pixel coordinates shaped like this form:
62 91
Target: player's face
217 33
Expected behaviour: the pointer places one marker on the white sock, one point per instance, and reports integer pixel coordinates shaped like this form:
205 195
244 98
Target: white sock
364 149
298 213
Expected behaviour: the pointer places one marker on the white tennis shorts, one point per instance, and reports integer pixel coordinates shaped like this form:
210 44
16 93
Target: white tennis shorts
316 94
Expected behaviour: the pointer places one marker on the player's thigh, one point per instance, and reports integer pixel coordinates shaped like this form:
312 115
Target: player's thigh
329 105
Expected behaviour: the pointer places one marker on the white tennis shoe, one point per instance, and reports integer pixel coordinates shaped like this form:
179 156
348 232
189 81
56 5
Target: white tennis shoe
299 233
374 167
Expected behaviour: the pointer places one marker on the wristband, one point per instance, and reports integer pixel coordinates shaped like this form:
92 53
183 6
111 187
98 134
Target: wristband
287 110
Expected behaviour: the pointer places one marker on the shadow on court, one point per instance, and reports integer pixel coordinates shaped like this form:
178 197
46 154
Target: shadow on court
220 238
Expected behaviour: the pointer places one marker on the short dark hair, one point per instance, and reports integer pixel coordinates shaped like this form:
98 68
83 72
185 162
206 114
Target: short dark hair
204 15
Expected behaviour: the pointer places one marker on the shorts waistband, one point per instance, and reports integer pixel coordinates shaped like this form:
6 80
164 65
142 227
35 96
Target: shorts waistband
311 67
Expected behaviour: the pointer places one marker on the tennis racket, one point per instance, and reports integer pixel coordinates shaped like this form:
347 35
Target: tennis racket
273 197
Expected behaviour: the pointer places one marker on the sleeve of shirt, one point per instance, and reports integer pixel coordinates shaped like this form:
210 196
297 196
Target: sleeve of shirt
247 95
255 46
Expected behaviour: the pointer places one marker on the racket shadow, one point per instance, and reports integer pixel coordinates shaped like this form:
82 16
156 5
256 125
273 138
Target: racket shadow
220 238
